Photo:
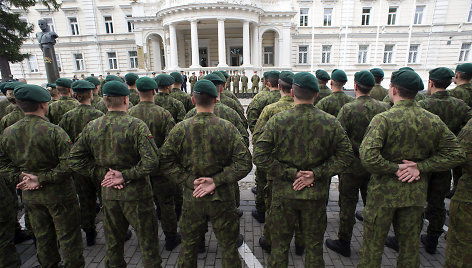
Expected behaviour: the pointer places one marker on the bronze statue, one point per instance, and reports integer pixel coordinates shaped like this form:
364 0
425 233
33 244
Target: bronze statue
45 37
47 40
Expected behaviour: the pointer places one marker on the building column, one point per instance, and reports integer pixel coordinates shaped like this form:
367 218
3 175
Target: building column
256 46
221 44
156 50
174 59
246 45
285 50
195 49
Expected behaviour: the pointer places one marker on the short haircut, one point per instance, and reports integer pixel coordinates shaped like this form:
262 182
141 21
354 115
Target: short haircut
63 90
164 87
203 99
53 91
131 83
323 82
286 87
303 93
464 76
28 106
378 79
441 83
81 96
113 101
363 88
338 83
274 82
405 93
146 94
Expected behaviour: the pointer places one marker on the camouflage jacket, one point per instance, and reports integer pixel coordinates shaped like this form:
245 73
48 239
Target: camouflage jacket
4 110
418 97
133 96
284 103
244 80
74 121
254 110
226 113
183 97
158 119
193 79
464 188
58 108
11 118
102 107
235 106
175 107
95 100
302 138
36 146
406 132
235 79
463 92
6 204
230 94
378 92
355 118
325 91
453 112
121 142
255 79
206 146
334 102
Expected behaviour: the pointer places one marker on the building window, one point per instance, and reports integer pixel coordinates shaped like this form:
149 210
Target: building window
79 61
268 55
388 54
112 61
362 56
392 15
133 59
74 26
50 23
465 51
33 64
59 62
365 16
328 15
326 54
303 54
130 25
108 24
413 53
303 16
419 15
469 18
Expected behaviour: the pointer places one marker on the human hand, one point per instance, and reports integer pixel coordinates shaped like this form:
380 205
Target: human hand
204 187
408 171
29 182
113 178
304 179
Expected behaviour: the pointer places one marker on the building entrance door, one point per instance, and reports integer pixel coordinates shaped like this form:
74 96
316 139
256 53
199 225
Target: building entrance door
236 54
203 57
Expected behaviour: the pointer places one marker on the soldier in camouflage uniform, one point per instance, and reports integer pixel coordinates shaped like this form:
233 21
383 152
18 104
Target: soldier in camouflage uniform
16 114
354 118
459 235
207 170
124 154
96 98
73 122
400 148
255 79
160 122
226 92
163 98
336 100
131 82
65 103
8 255
322 77
4 102
228 81
7 90
36 151
230 100
193 79
200 76
378 92
419 97
244 81
51 87
314 147
235 79
180 95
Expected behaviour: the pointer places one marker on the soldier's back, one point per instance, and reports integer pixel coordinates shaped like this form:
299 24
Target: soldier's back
133 96
183 97
334 102
74 121
463 92
325 91
11 118
58 108
378 92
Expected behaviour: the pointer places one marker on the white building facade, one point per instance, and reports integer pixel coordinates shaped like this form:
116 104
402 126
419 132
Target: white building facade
145 36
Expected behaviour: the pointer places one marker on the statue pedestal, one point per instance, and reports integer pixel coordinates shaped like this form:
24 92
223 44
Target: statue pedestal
50 63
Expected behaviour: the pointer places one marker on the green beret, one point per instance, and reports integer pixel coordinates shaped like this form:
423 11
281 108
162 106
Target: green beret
164 80
407 79
82 86
225 74
205 86
365 78
113 78
286 76
115 88
306 80
220 74
339 75
177 77
377 72
441 74
51 85
464 68
64 82
406 68
214 78
265 74
12 85
272 74
322 75
146 84
32 93
131 78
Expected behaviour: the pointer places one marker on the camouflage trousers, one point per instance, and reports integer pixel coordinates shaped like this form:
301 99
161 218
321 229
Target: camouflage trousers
255 88
236 89
457 173
16 207
53 222
165 192
9 257
349 186
459 236
261 180
87 190
244 88
237 194
225 222
118 215
407 226
438 187
312 217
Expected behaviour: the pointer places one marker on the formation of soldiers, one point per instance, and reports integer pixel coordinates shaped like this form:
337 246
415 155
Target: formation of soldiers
149 151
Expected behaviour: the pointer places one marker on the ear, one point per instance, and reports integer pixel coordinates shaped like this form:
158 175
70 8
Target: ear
193 100
215 100
291 93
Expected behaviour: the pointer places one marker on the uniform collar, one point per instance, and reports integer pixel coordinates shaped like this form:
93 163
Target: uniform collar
440 94
115 113
405 103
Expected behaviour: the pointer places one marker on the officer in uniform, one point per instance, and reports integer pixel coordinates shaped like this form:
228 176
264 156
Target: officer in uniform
244 81
36 151
193 79
333 103
400 148
200 76
378 92
302 155
255 83
96 98
124 154
163 98
131 82
354 118
235 79
65 103
323 78
180 95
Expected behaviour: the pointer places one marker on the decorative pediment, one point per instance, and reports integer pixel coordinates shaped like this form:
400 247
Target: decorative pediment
106 9
70 10
45 11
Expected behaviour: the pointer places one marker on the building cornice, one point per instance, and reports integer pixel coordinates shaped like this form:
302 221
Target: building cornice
70 10
196 7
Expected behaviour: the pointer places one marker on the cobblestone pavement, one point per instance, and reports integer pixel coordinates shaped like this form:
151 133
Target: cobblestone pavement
253 255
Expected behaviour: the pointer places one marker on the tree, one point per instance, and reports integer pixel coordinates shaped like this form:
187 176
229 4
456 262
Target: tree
13 31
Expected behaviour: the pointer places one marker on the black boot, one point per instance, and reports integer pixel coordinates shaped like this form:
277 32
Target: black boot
391 242
299 250
430 243
91 237
359 216
240 213
97 208
264 245
20 237
129 234
254 190
260 217
201 245
240 240
172 242
340 246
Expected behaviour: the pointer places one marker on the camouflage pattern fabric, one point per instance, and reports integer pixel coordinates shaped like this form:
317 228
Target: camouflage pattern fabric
3 107
463 92
183 97
230 94
228 84
236 106
74 121
101 106
58 108
418 97
334 102
464 192
235 79
133 96
378 92
255 83
8 255
95 100
325 91
193 79
244 81
11 118
175 107
254 110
